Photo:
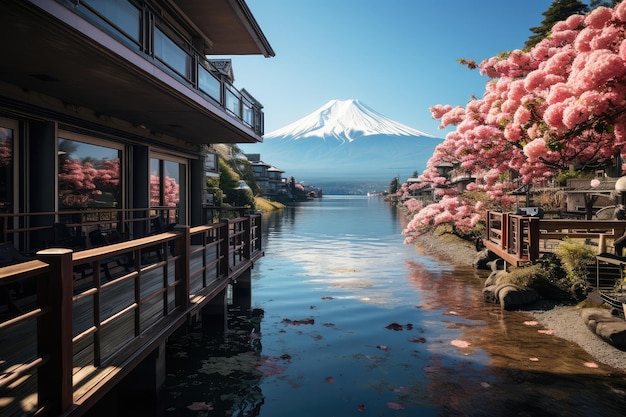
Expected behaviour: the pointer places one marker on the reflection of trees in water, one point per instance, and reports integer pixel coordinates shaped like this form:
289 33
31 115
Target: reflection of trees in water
495 374
229 367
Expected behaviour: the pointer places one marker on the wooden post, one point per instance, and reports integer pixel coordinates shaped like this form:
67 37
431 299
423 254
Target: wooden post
533 238
247 237
224 248
54 331
182 244
504 226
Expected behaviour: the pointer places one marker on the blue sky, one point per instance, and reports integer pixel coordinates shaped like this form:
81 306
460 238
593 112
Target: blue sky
398 57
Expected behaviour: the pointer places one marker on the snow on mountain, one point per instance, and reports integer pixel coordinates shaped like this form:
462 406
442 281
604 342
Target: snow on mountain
345 142
344 120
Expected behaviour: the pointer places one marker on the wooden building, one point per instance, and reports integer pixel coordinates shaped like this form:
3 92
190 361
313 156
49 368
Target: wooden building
108 110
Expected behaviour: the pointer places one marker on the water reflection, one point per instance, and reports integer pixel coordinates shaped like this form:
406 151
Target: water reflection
356 322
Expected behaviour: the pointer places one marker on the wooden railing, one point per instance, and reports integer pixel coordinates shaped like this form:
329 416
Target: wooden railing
518 239
81 331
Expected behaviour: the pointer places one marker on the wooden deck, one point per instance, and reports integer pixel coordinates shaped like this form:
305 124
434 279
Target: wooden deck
85 329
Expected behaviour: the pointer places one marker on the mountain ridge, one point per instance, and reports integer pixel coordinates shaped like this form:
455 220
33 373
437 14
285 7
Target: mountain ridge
344 120
345 141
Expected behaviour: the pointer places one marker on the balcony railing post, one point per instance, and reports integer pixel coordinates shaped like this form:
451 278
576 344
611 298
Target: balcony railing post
247 237
533 238
505 225
258 237
224 248
54 330
183 268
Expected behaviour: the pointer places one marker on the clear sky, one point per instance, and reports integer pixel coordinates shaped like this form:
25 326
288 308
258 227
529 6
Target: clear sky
399 57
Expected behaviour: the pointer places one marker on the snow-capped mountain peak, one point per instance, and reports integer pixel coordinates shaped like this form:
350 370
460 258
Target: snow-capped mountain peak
344 120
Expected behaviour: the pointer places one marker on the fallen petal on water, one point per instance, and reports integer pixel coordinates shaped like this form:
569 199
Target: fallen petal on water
330 380
200 406
395 405
361 407
485 384
383 347
531 323
460 343
546 331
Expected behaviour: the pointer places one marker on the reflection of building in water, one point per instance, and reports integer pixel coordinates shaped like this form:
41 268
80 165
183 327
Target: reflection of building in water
230 366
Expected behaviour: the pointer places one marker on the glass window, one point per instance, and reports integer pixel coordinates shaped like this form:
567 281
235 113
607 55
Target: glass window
170 53
167 185
247 114
6 166
232 102
208 83
89 175
210 162
121 13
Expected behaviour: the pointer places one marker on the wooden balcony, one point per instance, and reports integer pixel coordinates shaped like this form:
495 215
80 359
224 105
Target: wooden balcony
79 331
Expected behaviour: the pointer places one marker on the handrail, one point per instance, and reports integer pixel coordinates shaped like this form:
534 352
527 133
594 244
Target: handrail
86 327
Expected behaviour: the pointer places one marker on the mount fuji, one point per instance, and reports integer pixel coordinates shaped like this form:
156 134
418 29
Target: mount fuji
345 147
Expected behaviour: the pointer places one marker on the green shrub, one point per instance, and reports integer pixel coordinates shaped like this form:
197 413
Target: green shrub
525 277
574 256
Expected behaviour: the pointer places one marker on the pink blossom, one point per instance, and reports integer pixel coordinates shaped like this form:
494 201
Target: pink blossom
535 149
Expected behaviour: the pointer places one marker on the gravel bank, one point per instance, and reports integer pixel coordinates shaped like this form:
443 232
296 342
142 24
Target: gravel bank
563 319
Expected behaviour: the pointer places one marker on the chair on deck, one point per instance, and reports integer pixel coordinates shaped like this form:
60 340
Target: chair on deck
99 238
9 255
64 238
160 225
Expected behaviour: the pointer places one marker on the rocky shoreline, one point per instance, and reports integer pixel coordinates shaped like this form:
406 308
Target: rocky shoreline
565 320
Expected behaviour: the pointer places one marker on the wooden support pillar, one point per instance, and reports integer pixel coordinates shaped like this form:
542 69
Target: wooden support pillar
242 291
141 393
214 314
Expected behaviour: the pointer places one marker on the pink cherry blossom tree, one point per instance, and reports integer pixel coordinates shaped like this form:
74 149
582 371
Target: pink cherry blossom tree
81 184
558 105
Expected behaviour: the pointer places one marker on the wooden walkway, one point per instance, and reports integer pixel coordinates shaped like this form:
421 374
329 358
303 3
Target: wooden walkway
81 330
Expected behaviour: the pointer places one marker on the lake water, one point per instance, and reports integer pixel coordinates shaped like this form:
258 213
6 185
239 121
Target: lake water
355 323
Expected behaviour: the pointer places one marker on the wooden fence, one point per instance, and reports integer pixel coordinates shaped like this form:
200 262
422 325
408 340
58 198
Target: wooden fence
80 330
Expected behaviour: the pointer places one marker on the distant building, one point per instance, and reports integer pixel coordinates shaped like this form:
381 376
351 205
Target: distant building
268 178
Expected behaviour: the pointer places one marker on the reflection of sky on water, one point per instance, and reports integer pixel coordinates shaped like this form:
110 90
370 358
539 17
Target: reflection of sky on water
452 355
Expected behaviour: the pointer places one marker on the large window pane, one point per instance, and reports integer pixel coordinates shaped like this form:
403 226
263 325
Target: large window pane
167 181
121 13
170 53
6 168
208 83
232 102
89 175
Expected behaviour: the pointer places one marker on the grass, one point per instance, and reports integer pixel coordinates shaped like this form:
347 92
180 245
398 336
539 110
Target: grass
265 205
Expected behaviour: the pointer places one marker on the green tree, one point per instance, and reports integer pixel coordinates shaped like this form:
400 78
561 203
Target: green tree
230 185
394 185
559 10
